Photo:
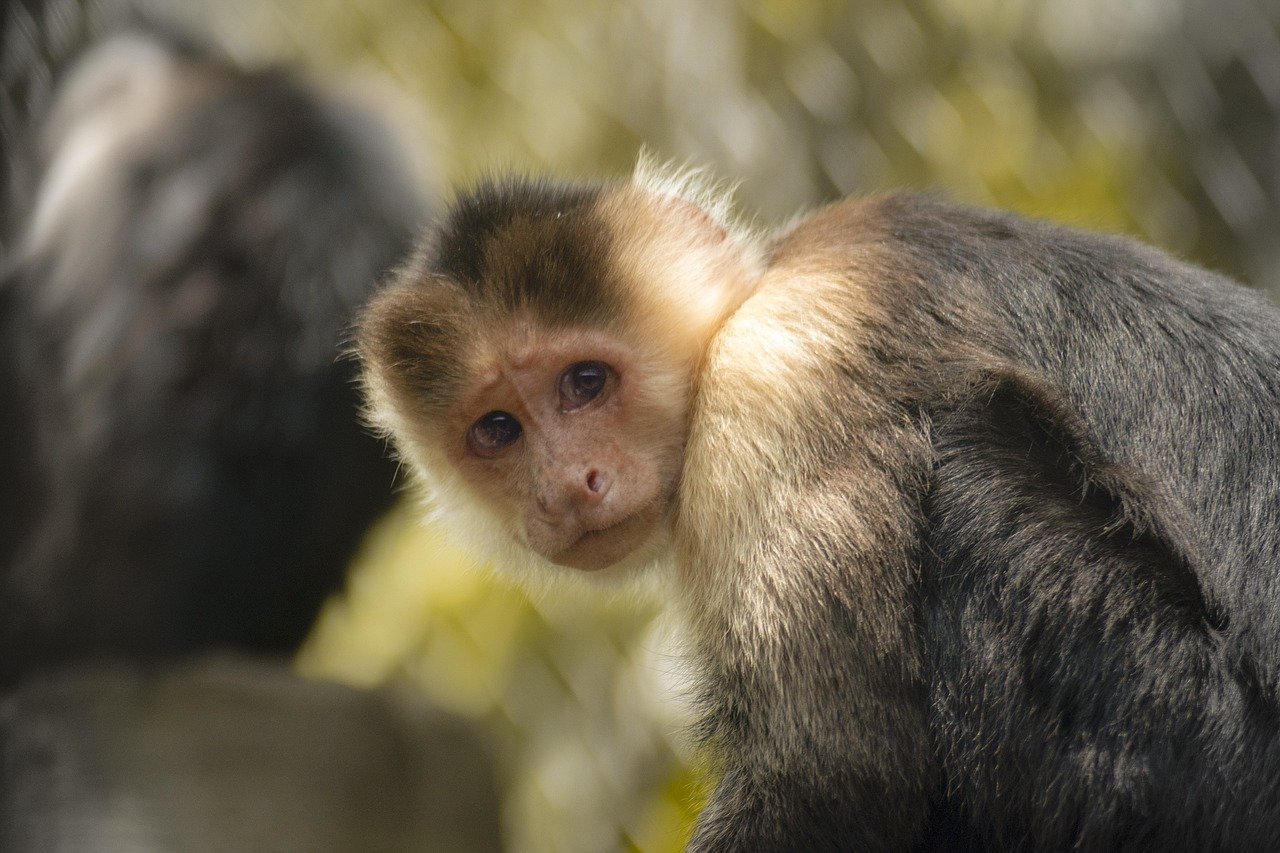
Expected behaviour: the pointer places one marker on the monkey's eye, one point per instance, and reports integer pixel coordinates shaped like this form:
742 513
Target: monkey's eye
581 383
493 432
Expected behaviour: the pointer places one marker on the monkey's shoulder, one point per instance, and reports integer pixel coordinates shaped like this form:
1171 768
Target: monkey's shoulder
925 235
922 265
910 226
799 368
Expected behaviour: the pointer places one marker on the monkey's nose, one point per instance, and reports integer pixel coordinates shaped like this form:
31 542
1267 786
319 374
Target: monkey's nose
586 489
597 485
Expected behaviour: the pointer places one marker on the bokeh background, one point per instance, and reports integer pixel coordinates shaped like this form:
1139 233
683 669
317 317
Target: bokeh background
1157 118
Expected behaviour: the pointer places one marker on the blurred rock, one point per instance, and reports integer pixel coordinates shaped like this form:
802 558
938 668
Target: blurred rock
234 755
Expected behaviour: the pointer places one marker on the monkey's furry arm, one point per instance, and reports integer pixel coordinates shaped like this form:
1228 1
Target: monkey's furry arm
798 550
1049 588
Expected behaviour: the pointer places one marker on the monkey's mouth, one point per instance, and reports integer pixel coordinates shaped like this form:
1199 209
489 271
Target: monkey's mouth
603 531
602 547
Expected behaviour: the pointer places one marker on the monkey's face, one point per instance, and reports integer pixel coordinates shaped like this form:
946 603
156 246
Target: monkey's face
535 364
574 437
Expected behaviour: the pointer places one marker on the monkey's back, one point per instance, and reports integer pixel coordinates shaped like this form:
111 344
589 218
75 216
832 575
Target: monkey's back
1174 370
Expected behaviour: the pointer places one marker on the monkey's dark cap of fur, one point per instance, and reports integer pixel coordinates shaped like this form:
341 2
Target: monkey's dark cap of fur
514 242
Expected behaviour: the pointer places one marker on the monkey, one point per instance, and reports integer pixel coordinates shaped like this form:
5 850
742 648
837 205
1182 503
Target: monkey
184 464
972 518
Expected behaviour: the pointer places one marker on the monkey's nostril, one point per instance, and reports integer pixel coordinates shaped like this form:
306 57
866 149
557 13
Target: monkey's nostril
595 482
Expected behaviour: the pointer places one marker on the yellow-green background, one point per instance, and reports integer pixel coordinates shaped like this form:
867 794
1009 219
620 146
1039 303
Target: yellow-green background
1153 117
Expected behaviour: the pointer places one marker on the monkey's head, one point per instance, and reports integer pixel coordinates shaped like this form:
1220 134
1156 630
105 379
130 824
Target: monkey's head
535 361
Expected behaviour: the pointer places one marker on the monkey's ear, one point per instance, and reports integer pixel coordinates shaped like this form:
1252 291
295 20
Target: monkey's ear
693 219
690 195
1011 453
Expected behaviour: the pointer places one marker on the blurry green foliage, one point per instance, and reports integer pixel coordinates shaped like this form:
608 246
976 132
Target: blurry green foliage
1119 115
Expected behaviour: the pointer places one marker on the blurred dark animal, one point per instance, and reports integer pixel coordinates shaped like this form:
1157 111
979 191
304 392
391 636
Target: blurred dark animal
182 467
182 463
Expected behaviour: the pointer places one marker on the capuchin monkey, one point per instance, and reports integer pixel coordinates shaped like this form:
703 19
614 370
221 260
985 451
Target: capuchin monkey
183 462
975 519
